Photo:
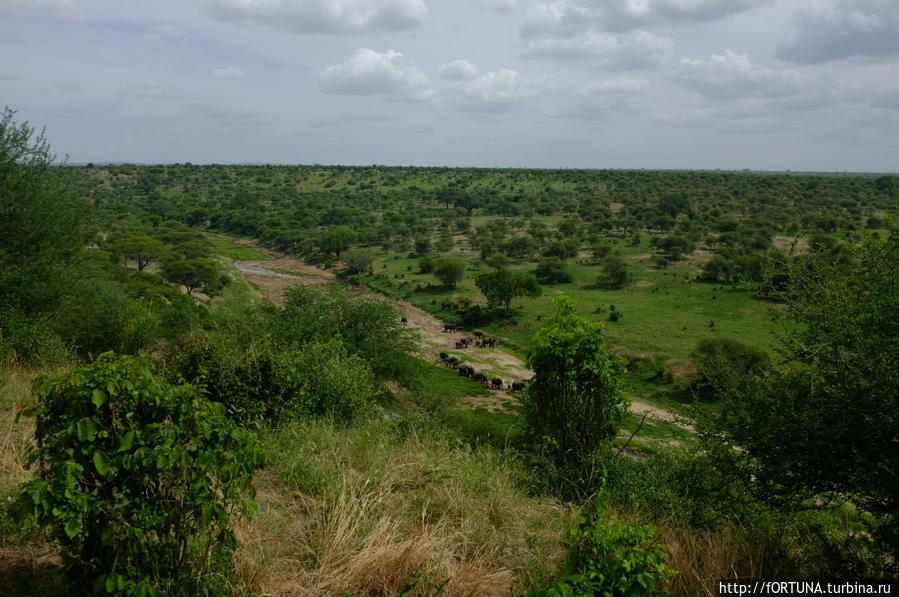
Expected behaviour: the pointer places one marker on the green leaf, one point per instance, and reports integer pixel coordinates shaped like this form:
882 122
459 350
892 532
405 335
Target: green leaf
101 463
126 442
72 528
98 398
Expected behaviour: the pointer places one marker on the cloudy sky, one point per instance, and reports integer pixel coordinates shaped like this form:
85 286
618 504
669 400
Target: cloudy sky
760 84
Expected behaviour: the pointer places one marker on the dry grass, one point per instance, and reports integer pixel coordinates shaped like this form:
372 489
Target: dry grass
15 436
702 558
375 513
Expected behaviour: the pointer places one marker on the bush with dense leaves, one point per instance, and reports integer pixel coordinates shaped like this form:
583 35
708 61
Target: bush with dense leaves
610 558
138 479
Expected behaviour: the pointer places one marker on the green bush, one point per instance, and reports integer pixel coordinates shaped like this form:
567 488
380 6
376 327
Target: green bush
551 270
610 558
138 479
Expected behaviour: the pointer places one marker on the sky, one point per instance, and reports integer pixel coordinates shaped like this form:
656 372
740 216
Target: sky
673 84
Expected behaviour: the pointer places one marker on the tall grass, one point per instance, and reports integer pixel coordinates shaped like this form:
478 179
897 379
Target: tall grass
378 511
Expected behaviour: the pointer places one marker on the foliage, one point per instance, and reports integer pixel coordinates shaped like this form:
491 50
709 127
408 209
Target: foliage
358 260
501 287
450 270
823 426
614 272
551 270
140 247
194 274
367 327
575 403
674 246
611 559
138 479
725 362
563 249
336 240
43 226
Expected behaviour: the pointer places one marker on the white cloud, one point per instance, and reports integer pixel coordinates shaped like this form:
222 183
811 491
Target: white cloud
733 76
158 32
458 70
496 91
629 51
569 17
321 16
228 72
611 97
835 30
368 72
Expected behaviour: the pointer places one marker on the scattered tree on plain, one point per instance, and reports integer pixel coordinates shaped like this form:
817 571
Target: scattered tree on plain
501 287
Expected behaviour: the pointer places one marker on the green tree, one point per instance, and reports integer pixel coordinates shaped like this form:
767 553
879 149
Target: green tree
358 261
139 247
823 426
563 249
43 228
575 403
551 270
674 246
422 245
194 274
138 479
450 270
501 287
336 239
466 201
614 272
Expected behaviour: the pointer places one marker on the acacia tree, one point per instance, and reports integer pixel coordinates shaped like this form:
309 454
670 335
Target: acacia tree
575 402
450 270
501 287
140 247
336 240
193 274
822 427
358 260
614 271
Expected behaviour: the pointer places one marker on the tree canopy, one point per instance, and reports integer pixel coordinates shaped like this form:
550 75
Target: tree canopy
823 425
575 402
501 287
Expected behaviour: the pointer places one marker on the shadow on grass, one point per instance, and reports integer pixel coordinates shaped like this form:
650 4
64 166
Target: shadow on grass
33 569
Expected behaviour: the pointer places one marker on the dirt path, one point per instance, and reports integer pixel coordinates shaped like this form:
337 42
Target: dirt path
274 275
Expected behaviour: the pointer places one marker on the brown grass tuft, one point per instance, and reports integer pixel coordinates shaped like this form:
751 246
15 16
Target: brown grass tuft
397 515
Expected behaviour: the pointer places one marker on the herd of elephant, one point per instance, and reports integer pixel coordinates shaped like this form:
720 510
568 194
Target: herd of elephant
468 371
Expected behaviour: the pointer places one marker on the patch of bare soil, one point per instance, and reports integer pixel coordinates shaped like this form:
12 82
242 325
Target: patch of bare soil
639 407
497 402
785 243
680 368
643 284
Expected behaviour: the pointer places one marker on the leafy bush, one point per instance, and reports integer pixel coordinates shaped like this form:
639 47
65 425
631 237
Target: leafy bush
725 361
608 557
138 479
575 403
551 270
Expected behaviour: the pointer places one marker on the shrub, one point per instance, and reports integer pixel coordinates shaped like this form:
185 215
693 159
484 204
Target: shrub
575 403
551 270
608 557
137 479
723 361
426 265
